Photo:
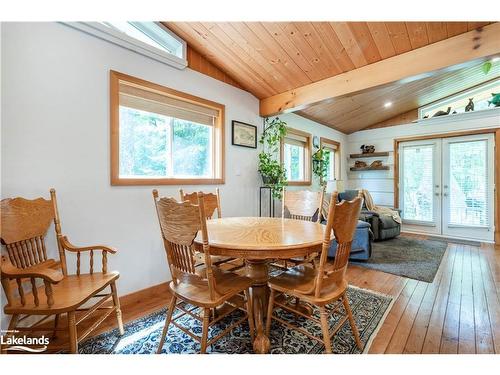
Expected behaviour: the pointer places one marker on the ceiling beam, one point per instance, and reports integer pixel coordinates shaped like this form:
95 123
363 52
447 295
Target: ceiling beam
413 65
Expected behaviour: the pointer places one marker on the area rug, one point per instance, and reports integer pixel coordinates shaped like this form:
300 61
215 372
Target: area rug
142 335
408 257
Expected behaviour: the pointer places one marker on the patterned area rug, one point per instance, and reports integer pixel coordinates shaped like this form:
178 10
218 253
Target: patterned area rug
142 335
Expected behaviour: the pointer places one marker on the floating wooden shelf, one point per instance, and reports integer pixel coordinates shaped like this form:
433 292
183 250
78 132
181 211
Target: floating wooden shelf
382 168
372 155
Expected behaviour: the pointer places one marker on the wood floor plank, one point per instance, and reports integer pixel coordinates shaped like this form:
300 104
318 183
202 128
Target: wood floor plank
380 342
466 334
451 326
491 299
484 340
398 340
418 331
432 341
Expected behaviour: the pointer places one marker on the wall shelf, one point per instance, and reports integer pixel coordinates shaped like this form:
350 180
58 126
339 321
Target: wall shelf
382 168
369 155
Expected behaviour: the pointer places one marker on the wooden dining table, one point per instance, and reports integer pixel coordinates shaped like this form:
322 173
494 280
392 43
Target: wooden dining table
259 240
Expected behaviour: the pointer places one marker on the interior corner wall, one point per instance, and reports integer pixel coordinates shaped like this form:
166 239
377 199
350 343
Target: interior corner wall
55 133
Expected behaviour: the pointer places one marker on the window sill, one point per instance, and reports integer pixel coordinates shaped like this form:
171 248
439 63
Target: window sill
299 183
165 181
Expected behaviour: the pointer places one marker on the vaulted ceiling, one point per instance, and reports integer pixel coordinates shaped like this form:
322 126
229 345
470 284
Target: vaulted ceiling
269 58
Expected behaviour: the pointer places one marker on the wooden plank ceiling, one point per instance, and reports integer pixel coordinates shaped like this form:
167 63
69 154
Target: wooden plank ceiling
268 58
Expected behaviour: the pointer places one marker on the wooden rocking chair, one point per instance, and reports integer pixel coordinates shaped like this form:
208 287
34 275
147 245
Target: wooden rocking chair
24 226
320 286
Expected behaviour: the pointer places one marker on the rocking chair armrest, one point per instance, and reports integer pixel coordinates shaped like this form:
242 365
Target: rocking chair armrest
70 247
48 274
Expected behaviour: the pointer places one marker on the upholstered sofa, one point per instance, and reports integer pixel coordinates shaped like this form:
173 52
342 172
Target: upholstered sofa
383 226
361 244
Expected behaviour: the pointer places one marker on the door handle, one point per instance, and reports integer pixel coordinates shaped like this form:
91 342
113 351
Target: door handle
445 194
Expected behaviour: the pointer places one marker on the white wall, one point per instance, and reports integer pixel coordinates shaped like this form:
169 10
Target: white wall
55 133
381 183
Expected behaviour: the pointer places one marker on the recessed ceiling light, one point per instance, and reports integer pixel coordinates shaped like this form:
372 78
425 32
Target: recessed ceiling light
387 104
495 59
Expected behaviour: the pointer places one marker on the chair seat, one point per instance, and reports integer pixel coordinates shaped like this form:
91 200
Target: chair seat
70 293
227 284
299 282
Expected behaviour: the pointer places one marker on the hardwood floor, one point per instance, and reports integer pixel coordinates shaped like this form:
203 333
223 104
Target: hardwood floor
459 312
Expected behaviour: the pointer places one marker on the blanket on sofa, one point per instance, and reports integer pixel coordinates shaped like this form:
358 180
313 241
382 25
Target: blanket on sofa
378 209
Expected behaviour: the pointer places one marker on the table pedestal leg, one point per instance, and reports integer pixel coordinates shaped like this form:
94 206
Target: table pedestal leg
258 271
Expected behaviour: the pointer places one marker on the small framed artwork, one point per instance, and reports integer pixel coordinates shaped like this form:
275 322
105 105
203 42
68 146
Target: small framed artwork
244 135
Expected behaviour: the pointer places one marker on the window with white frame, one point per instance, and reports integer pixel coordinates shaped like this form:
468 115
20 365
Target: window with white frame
151 39
161 136
480 95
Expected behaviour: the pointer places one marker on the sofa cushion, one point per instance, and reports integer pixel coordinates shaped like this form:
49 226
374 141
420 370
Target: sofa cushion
387 222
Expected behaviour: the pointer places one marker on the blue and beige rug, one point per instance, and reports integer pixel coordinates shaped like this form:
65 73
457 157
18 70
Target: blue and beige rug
142 335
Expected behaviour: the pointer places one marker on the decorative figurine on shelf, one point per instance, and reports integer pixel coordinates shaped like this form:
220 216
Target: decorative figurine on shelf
495 100
454 112
367 149
442 113
360 164
470 107
376 164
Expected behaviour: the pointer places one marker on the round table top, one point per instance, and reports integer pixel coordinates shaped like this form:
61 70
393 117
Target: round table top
263 237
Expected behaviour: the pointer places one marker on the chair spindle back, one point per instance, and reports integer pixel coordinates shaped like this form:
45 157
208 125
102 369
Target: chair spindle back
342 219
210 200
180 223
302 204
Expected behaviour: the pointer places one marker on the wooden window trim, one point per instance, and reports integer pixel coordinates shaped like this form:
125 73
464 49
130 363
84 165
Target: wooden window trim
495 131
338 168
307 157
219 140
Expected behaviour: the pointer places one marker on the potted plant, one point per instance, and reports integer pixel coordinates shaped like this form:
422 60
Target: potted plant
320 162
272 171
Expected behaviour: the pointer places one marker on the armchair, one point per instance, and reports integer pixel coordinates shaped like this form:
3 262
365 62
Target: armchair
24 227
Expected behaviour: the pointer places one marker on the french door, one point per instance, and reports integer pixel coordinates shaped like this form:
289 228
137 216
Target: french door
446 186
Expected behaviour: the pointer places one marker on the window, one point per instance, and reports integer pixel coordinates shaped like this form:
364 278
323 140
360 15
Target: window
161 136
150 39
333 172
296 157
458 102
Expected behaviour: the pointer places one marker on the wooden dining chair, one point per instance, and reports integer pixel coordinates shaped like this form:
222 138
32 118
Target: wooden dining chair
44 286
212 205
205 289
324 285
302 205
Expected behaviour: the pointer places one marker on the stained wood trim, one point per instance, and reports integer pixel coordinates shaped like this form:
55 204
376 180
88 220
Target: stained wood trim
495 131
219 138
338 159
473 45
307 157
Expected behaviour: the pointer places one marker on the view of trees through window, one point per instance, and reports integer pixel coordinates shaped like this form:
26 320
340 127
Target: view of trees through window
418 183
152 145
294 162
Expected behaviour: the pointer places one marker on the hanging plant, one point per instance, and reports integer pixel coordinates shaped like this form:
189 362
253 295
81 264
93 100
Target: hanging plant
272 171
321 161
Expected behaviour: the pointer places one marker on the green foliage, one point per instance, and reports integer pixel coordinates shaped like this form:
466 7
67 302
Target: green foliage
273 173
321 162
486 67
146 149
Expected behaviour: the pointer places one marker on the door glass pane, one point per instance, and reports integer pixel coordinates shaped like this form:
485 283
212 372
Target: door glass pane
417 165
468 187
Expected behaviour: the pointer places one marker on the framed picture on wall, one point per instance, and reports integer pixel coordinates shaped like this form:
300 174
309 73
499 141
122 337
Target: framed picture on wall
244 135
